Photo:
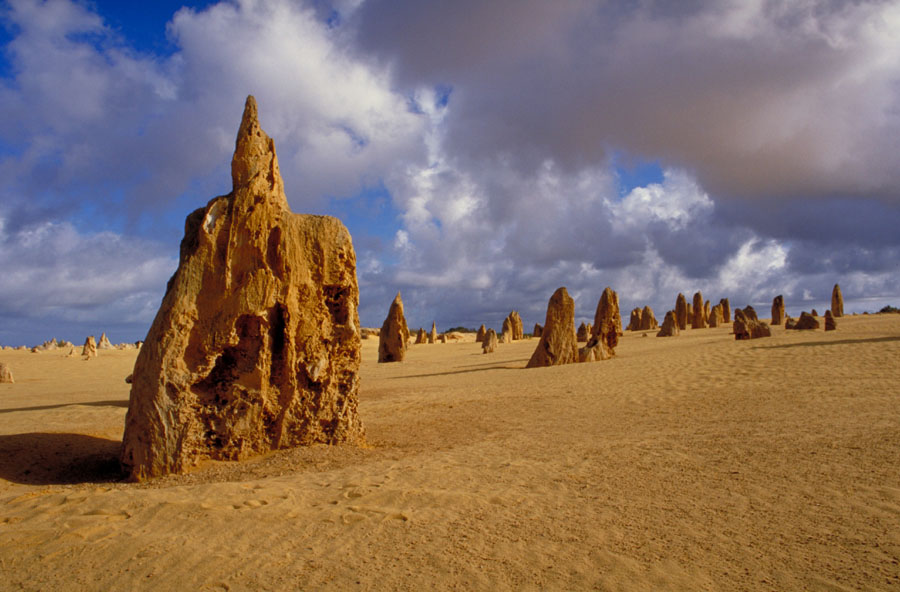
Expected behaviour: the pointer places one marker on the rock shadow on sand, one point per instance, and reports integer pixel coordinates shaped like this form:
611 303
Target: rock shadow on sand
117 403
836 342
452 372
59 459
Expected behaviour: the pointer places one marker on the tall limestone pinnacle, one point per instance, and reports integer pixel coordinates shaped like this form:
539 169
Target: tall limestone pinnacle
256 345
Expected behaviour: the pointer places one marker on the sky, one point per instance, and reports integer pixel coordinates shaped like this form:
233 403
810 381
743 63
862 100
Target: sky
482 154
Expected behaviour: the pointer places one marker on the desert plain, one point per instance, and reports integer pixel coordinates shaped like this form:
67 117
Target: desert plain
694 462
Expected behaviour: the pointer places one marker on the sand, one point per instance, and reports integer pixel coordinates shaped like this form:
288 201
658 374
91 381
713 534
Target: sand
688 463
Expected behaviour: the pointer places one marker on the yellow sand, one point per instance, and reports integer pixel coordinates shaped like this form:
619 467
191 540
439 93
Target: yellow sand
687 463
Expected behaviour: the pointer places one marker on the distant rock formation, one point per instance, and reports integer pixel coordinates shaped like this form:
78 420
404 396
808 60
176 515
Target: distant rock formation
6 375
814 313
506 332
582 334
750 313
557 345
634 323
706 313
830 323
648 319
479 336
837 301
515 322
442 338
681 311
670 326
432 337
806 322
778 310
716 318
746 327
726 310
790 323
104 342
256 344
90 348
489 342
697 321
538 330
394 334
607 320
421 336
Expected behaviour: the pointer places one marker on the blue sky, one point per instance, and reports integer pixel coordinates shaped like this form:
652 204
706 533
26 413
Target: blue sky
481 154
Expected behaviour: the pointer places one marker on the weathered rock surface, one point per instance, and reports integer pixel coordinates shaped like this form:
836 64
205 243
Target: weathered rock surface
715 316
256 344
607 320
104 342
489 343
506 332
582 334
6 375
806 322
557 345
750 313
421 336
432 336
749 328
90 348
814 313
830 324
670 326
648 319
479 336
778 310
697 321
634 323
706 309
394 335
837 301
538 330
515 322
681 311
726 310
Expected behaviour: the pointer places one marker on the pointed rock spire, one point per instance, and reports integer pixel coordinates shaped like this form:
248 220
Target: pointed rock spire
254 159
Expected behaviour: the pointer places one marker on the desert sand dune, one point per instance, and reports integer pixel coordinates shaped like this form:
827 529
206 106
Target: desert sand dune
694 462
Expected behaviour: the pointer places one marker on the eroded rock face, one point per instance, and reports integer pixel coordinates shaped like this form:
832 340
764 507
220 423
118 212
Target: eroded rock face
538 330
506 332
90 348
814 313
681 311
515 323
749 312
394 335
104 342
489 343
837 302
746 327
670 326
432 337
726 310
778 310
648 319
6 375
806 322
607 320
697 321
256 345
557 345
830 324
706 309
421 336
582 334
634 323
715 316
479 336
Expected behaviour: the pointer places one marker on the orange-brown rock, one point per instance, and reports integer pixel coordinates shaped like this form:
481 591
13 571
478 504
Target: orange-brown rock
421 336
706 312
557 345
582 334
104 342
515 322
634 323
506 332
670 326
813 313
538 329
489 343
6 375
256 344
726 310
607 320
394 335
479 336
648 319
778 310
432 337
697 321
749 328
750 313
715 316
90 348
681 311
830 324
806 322
837 301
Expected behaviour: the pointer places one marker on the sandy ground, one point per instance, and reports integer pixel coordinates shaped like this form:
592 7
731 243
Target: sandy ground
687 463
